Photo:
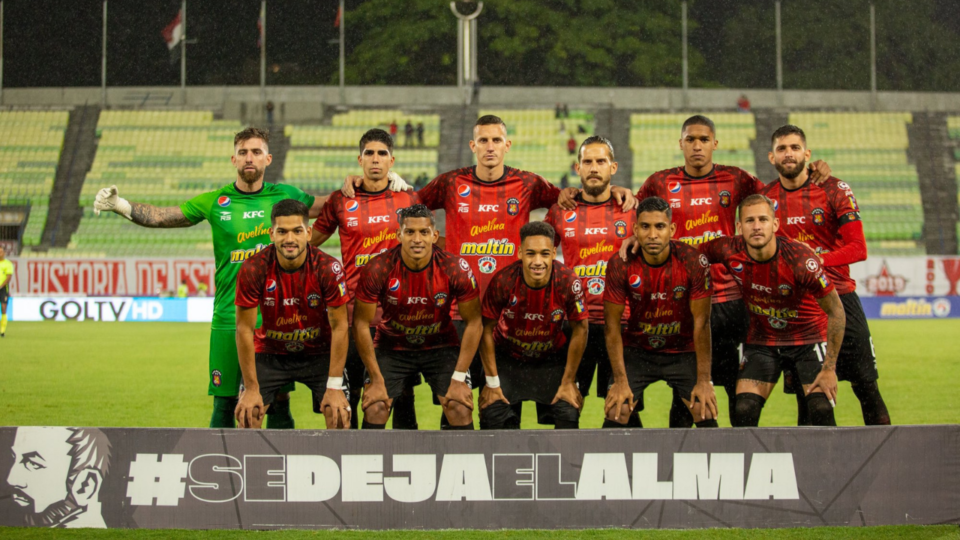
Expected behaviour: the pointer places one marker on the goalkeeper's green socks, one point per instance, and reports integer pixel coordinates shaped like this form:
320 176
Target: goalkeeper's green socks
3 324
223 408
278 415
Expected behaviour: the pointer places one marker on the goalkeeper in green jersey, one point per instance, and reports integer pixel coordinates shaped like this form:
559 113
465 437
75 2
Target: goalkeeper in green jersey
239 215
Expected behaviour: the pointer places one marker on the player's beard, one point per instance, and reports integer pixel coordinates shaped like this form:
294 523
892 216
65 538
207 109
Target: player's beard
294 256
251 176
596 190
791 174
54 515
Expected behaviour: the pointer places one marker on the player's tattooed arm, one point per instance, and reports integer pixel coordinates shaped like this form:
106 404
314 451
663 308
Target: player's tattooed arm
250 408
826 380
619 395
490 393
703 390
147 215
568 384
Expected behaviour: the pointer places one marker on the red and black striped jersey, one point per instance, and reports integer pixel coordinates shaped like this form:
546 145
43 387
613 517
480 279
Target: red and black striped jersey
367 225
815 216
659 297
483 219
416 304
293 304
587 237
704 208
531 320
781 293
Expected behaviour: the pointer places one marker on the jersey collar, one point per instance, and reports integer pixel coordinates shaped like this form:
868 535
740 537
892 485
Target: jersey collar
240 192
713 169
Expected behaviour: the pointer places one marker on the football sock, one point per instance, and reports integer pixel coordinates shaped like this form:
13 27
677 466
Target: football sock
803 415
468 427
680 416
404 411
871 403
748 409
368 425
223 408
607 423
278 415
707 423
634 421
3 324
355 406
821 412
731 390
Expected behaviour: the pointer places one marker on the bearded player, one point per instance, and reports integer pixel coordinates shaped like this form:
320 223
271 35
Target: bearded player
302 295
367 225
827 219
667 337
796 317
703 197
238 214
415 283
524 349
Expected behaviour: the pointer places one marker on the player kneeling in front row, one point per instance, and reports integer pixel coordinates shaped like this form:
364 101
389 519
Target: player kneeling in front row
414 284
782 282
524 350
667 337
302 295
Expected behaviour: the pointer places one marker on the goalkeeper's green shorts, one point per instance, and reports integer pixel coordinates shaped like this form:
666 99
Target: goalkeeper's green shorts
225 375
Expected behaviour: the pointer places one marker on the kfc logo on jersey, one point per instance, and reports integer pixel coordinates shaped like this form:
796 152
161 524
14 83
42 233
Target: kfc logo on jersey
597 230
489 208
785 290
291 302
463 190
352 206
353 222
463 208
673 187
569 232
378 219
570 216
440 299
620 228
271 285
254 214
394 284
595 286
658 296
417 300
557 315
796 220
313 300
678 292
532 316
817 216
761 288
513 206
812 265
725 198
635 281
223 201
488 265
736 266
705 201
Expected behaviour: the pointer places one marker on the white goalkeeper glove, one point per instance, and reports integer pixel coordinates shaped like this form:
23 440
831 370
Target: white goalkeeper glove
108 199
396 183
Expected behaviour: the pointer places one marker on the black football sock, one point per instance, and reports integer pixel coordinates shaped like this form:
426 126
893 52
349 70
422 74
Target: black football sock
634 420
821 412
368 425
803 414
748 409
223 409
871 403
468 427
707 423
610 424
680 416
278 415
355 407
404 411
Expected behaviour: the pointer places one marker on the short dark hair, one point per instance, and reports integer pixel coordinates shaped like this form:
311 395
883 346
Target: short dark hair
596 139
654 204
415 211
490 120
252 133
537 228
376 135
788 129
289 207
699 120
756 198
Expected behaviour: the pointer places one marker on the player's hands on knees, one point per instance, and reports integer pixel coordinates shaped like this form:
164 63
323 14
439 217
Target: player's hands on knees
336 409
489 396
461 393
703 392
819 172
567 197
826 382
374 393
350 185
570 393
250 410
628 246
618 394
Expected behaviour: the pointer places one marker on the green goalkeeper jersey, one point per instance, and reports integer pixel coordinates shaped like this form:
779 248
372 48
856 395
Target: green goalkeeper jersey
240 223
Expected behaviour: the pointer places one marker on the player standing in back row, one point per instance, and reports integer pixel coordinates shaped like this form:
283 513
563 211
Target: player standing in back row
6 274
827 218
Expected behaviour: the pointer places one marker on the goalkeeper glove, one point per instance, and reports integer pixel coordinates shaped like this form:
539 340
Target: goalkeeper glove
108 199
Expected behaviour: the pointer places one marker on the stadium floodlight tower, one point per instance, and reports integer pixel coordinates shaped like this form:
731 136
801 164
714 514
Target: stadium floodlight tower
467 12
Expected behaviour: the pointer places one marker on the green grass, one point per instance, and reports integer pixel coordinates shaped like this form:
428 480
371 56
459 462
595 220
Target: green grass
938 532
155 375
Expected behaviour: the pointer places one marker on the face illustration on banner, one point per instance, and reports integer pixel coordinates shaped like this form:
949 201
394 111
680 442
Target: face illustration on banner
57 475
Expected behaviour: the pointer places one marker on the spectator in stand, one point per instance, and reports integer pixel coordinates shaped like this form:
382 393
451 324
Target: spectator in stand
270 114
408 135
393 131
420 134
743 104
571 146
557 111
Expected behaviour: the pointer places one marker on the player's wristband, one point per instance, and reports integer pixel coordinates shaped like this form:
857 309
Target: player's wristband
459 376
493 382
335 383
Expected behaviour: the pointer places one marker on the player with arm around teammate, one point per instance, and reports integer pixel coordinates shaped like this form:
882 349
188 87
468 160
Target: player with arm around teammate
667 336
302 294
524 349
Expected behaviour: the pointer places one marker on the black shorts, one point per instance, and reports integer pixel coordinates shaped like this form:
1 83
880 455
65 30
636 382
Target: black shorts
728 330
856 361
531 380
274 371
800 362
436 365
4 295
595 359
645 368
354 365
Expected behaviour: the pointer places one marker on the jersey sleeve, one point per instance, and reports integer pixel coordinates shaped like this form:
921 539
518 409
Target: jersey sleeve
809 273
615 290
463 284
249 283
328 221
716 250
699 269
545 194
842 201
332 283
6 269
497 295
648 189
434 194
572 291
298 194
553 219
371 281
195 210
749 184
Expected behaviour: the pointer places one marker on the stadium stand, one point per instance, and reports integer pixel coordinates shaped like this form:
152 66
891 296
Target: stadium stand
30 146
953 130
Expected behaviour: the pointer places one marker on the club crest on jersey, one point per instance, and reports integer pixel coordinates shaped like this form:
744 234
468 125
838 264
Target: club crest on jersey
513 206
817 216
216 377
271 285
487 265
776 205
673 187
570 216
785 290
724 198
812 265
463 190
620 228
513 300
416 339
657 341
595 286
223 201
440 299
294 346
352 206
313 300
736 266
678 292
394 284
635 281
556 315
779 324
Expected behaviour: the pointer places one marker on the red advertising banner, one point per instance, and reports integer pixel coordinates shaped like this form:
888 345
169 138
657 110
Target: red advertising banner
109 277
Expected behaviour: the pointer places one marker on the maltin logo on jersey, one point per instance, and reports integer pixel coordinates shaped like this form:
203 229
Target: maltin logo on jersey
394 284
488 265
440 299
513 206
352 206
570 216
556 315
313 300
724 198
621 228
673 187
635 281
736 266
595 286
271 285
817 216
463 190
223 201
